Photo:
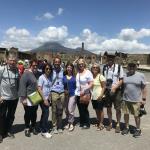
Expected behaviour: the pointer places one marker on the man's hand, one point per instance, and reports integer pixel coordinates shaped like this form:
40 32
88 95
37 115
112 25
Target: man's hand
24 102
143 102
99 98
81 93
114 88
1 100
66 92
46 103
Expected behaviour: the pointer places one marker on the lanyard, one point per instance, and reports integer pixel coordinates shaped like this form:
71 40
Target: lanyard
9 76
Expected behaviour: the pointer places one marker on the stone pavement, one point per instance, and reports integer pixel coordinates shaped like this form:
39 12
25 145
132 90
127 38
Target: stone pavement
81 139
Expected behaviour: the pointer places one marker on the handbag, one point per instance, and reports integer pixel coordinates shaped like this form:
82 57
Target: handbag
85 99
35 98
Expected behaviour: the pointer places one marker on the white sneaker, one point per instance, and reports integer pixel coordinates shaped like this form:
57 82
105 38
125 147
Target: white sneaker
71 128
60 131
54 130
46 135
67 126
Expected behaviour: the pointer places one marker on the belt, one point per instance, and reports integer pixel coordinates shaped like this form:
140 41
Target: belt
57 92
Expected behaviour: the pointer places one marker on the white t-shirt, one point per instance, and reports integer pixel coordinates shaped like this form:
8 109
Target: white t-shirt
82 81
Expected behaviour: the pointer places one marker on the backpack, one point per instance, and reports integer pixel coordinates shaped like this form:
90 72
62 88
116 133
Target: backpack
106 68
119 66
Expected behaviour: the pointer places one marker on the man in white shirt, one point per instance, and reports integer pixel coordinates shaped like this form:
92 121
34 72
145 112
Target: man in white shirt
9 77
114 75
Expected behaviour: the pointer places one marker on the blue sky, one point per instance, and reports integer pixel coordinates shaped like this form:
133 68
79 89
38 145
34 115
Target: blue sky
102 24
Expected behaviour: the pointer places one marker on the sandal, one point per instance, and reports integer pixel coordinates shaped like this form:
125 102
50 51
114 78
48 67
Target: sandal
100 127
95 125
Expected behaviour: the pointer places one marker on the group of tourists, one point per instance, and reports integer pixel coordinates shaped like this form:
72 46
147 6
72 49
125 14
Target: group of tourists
64 88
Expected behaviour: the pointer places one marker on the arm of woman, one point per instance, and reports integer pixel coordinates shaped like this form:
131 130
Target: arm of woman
90 81
23 89
46 103
103 85
86 90
40 87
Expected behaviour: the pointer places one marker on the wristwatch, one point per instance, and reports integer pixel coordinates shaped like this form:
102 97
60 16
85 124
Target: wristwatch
144 99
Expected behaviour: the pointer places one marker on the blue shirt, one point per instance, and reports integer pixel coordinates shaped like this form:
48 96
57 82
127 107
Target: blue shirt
70 85
58 85
45 83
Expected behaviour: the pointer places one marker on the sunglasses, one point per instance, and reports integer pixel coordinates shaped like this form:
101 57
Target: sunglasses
95 67
47 69
81 64
34 65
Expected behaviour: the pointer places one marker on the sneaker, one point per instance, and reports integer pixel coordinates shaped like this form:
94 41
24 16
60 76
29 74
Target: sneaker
60 131
46 135
67 126
137 133
117 130
27 133
10 135
85 127
108 128
71 128
55 131
125 131
1 139
81 125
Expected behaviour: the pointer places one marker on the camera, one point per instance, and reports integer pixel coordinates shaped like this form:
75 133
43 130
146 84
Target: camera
142 111
109 83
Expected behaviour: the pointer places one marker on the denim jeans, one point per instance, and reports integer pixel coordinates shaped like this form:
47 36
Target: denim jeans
44 118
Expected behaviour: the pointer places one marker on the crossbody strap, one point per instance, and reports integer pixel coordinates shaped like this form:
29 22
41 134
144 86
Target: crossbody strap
53 82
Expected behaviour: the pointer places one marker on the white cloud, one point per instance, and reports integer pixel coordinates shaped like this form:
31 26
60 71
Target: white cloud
45 16
52 34
22 39
123 46
14 32
132 34
126 42
60 11
91 39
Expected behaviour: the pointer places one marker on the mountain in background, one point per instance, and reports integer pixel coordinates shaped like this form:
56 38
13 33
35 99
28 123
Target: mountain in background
56 47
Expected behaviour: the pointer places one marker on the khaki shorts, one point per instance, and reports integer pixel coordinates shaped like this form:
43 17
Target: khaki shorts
115 99
131 108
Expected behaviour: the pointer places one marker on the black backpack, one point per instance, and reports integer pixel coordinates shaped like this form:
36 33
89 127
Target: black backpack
119 66
106 68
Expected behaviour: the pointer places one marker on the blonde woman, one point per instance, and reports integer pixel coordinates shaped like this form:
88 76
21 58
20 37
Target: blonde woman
98 89
84 82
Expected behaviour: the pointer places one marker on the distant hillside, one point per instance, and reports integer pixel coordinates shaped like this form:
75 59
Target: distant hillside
56 47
